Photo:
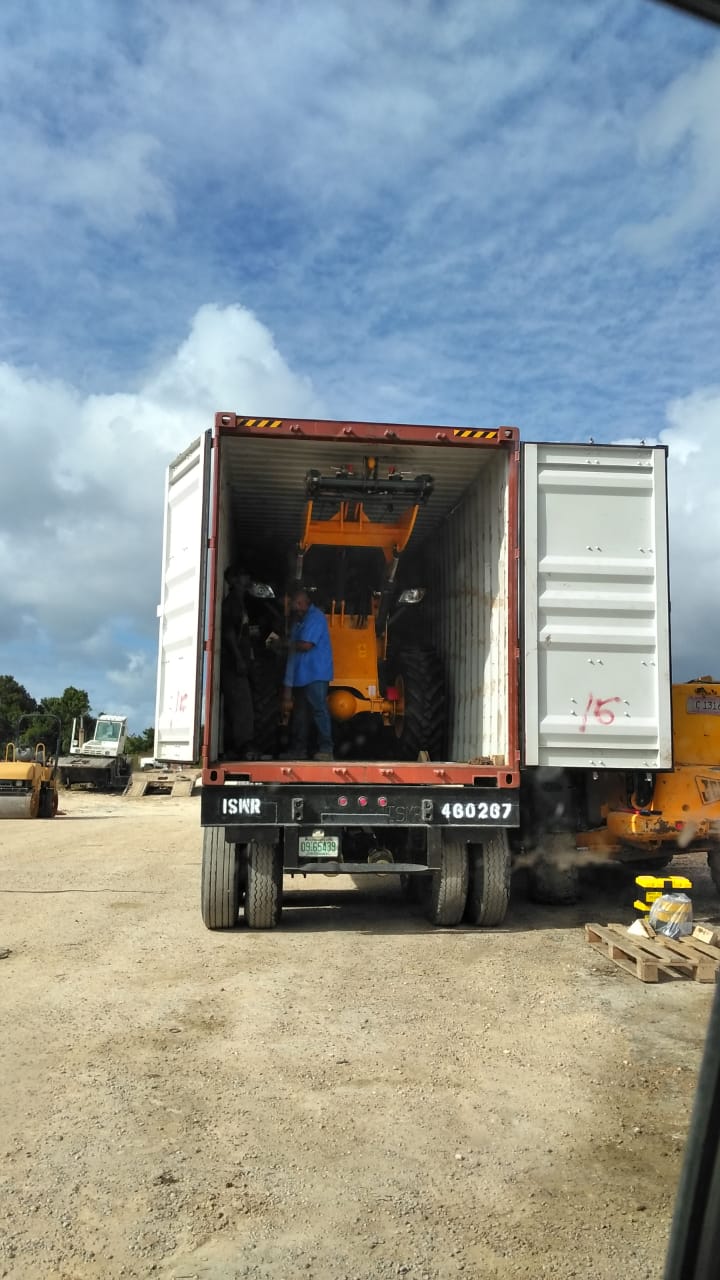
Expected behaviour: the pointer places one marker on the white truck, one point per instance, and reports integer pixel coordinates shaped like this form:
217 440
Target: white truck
543 571
99 761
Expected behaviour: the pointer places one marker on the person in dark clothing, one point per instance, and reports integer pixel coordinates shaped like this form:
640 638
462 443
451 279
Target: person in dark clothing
238 718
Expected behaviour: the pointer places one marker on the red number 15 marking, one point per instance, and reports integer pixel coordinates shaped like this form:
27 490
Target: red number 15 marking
598 709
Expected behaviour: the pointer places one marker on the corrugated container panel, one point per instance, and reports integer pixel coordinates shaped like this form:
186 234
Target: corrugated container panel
597 648
267 477
225 544
469 583
177 715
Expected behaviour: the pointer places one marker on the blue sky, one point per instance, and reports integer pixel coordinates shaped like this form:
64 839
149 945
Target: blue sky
434 212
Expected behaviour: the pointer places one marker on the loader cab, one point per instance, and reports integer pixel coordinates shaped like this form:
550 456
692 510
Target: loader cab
108 738
108 731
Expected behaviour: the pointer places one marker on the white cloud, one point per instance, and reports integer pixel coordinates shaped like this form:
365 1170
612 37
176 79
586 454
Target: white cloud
81 491
692 438
109 180
331 110
680 139
112 181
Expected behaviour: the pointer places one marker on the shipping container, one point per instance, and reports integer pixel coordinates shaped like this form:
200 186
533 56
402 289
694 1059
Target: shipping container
545 609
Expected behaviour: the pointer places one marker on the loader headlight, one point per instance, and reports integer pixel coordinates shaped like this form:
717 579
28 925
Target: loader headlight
261 591
413 595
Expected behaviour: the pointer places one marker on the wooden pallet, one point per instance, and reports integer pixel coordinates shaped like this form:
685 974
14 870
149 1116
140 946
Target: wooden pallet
651 959
158 782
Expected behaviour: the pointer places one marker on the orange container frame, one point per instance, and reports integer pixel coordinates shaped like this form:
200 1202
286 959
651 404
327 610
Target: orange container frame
505 774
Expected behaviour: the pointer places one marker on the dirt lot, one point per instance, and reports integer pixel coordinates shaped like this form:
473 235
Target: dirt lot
355 1095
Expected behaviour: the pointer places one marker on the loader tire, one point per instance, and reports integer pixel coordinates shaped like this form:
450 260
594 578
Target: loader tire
418 674
265 683
263 892
220 886
412 887
489 892
554 886
713 859
645 866
448 887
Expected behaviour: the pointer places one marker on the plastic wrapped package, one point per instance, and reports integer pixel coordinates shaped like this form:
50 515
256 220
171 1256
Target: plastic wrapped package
672 915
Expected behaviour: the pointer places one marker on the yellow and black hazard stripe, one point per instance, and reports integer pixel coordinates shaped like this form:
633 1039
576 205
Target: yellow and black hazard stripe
462 433
270 423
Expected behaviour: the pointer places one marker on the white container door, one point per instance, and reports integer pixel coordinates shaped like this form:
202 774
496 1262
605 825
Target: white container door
182 605
596 624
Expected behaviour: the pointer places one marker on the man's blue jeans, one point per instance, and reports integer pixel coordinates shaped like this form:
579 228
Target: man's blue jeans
310 707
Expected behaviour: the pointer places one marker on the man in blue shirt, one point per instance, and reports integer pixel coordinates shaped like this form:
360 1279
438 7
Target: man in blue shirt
307 676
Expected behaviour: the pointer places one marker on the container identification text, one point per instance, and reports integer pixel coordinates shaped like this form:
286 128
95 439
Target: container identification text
470 811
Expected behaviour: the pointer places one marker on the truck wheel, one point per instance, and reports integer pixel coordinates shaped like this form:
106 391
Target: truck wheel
489 892
263 891
220 881
448 887
714 864
554 877
419 680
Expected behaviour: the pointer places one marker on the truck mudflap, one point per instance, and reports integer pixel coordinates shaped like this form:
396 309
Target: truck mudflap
257 805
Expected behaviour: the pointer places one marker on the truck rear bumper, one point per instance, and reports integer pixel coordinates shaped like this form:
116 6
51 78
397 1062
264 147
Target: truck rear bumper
250 806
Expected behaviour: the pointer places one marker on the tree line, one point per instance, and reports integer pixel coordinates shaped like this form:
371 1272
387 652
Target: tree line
16 702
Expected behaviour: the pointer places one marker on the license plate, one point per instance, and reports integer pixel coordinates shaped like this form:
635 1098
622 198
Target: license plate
311 847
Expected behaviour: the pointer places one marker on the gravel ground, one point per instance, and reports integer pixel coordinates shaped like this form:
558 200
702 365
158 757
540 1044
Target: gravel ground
353 1096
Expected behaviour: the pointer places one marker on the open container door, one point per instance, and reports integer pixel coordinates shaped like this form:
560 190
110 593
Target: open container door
182 605
596 624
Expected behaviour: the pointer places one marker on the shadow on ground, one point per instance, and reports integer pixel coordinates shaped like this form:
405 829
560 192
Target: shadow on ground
379 905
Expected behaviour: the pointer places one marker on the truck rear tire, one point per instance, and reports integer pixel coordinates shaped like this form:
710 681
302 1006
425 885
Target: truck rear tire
448 888
489 892
220 880
263 892
554 876
713 859
418 674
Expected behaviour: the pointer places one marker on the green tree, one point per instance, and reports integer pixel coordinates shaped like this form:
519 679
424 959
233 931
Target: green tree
15 701
141 744
71 704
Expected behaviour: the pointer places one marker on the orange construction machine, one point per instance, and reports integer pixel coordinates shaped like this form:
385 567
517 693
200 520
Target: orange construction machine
364 521
678 810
